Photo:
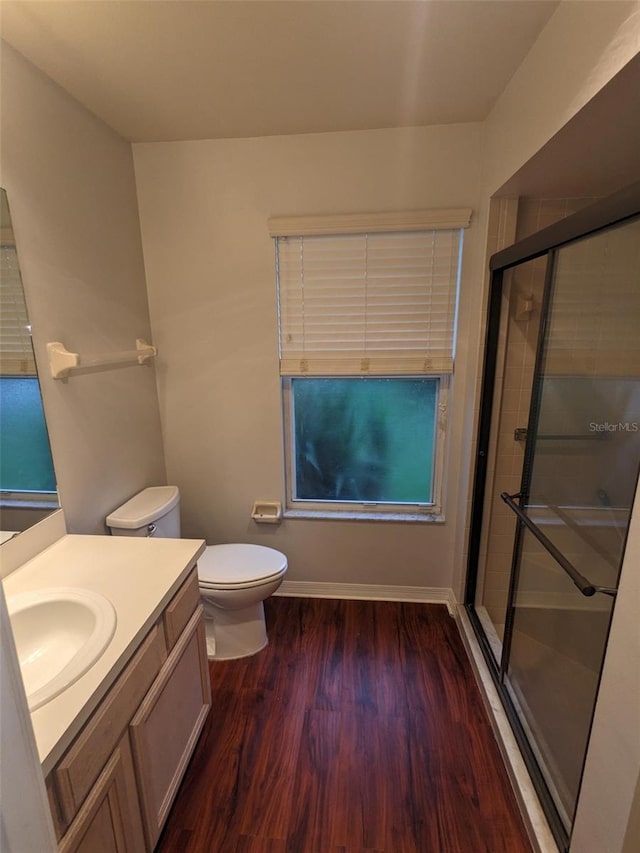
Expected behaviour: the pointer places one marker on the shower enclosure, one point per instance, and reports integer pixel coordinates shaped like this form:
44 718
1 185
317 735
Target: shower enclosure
556 473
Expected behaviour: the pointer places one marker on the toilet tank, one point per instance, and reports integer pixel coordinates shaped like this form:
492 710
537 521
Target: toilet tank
152 512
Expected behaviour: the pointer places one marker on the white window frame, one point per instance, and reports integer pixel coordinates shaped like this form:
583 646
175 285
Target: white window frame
363 224
434 511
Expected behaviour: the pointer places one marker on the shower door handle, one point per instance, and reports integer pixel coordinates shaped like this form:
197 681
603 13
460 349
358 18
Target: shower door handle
585 586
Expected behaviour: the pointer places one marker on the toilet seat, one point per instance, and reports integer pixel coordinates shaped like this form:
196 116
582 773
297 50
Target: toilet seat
239 566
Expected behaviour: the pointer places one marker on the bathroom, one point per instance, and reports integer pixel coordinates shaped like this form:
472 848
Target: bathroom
168 241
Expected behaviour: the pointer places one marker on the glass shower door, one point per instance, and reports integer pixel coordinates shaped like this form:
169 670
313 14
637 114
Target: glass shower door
574 504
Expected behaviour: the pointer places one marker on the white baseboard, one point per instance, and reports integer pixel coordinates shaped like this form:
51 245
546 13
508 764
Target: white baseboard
370 592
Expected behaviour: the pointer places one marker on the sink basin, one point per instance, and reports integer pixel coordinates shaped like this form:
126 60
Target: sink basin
59 634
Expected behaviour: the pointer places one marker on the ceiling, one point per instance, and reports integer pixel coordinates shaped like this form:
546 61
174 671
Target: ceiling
161 70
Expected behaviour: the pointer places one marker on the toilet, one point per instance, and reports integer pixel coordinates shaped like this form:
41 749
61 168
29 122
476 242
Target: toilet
234 580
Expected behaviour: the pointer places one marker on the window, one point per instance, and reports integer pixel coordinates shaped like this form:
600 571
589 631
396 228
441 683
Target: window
25 459
26 469
367 313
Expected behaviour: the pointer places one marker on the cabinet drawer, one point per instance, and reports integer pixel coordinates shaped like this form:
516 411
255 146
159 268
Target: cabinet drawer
80 767
165 730
180 609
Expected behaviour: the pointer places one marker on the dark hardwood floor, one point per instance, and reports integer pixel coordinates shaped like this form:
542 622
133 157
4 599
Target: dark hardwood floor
359 728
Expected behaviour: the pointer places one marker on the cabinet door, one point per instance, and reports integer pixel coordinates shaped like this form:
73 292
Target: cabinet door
109 819
166 727
78 770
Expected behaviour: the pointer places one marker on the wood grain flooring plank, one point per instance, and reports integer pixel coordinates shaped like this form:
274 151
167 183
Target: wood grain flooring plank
372 803
372 658
255 844
316 783
266 790
355 850
359 729
322 650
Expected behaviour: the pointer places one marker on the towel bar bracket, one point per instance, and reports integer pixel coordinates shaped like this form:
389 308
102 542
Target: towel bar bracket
62 362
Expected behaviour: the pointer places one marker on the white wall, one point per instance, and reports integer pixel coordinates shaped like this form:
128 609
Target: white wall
581 48
204 208
71 190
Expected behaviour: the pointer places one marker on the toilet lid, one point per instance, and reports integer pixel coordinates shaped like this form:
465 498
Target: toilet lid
239 564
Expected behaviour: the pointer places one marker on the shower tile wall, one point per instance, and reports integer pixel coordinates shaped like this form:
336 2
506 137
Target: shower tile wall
514 376
592 370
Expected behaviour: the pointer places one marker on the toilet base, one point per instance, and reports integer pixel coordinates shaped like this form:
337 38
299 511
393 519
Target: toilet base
233 634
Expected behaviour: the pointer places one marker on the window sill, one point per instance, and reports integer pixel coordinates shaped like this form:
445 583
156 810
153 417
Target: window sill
363 515
40 503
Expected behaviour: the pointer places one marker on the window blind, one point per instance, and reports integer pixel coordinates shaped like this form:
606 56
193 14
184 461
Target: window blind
16 351
371 303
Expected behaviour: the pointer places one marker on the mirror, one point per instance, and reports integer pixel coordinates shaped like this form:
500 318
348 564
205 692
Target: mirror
27 480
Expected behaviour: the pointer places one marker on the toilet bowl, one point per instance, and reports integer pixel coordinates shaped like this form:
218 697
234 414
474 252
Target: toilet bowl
234 579
234 582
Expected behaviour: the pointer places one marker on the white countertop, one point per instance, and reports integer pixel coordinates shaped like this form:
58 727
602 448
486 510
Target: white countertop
139 576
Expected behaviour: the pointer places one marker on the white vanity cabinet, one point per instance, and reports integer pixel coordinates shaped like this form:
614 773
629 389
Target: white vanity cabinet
114 786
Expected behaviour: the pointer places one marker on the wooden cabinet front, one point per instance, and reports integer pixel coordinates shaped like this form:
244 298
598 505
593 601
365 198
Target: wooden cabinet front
109 819
113 788
78 770
167 725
